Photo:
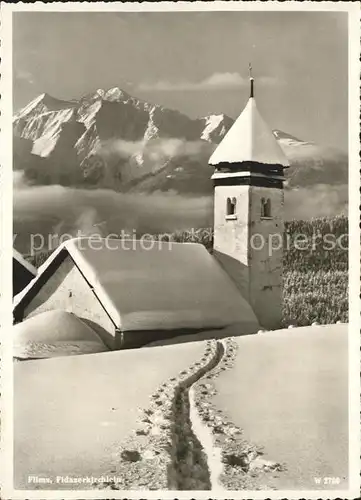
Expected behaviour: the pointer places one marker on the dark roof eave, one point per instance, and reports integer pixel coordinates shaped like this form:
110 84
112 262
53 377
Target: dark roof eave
246 164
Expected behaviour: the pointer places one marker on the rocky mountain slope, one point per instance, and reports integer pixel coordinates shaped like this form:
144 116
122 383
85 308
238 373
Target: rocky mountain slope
112 139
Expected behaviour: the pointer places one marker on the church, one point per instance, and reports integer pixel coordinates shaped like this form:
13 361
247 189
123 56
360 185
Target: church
249 211
129 327
132 298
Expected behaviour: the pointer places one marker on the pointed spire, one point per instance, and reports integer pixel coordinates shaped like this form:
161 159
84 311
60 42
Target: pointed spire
249 139
251 79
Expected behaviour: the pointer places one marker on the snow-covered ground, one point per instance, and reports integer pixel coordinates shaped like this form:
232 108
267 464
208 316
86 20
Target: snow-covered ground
72 413
288 391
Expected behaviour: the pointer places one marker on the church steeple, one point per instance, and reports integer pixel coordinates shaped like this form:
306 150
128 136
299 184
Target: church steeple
248 210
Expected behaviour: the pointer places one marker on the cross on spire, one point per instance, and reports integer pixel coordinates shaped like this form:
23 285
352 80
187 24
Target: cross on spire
251 79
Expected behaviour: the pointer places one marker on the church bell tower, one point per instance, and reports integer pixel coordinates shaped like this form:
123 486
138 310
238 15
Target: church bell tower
248 211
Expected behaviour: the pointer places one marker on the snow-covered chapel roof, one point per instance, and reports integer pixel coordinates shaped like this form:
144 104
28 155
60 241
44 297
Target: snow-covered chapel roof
164 286
249 140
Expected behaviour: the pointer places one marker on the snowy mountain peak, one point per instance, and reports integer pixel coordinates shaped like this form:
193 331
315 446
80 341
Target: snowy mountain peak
32 105
115 94
287 141
214 120
110 138
282 135
215 126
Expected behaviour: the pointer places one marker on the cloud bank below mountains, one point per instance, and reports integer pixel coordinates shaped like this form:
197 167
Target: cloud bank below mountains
156 150
51 210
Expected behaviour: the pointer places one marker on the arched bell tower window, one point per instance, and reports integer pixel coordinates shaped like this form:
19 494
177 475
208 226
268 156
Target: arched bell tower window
266 208
231 206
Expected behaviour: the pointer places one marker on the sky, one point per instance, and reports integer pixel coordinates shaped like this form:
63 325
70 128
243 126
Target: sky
196 62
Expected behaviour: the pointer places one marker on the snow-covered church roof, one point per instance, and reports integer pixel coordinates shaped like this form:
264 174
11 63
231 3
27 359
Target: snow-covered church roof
249 140
161 286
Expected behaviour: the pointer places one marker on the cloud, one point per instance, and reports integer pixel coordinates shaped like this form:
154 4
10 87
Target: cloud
213 82
19 180
24 75
155 150
47 211
43 212
141 158
319 200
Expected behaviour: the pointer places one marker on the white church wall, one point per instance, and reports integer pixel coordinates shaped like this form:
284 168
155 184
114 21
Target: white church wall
66 289
231 234
249 247
266 255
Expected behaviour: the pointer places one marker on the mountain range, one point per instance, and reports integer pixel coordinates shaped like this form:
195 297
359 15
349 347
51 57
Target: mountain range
111 139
